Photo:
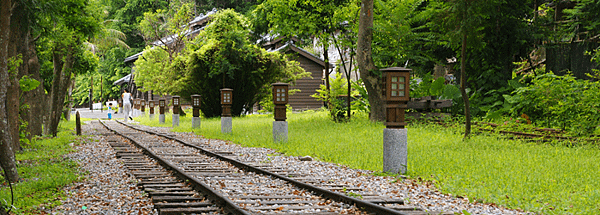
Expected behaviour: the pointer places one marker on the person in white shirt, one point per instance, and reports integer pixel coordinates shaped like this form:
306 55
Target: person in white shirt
126 96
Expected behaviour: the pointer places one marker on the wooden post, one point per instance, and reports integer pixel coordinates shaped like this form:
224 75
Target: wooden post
78 124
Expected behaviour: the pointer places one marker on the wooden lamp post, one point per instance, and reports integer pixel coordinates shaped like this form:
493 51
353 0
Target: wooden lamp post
151 108
396 95
226 102
120 101
143 106
280 99
176 104
196 102
161 111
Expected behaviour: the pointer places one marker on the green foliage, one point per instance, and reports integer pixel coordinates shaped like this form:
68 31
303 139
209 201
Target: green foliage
44 171
221 56
335 98
427 86
167 27
28 84
399 35
239 6
538 178
360 102
559 101
152 71
129 13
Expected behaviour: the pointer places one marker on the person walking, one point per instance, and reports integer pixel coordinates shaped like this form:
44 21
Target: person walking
126 96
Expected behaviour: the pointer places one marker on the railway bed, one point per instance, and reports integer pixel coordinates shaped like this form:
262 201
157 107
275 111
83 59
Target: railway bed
189 178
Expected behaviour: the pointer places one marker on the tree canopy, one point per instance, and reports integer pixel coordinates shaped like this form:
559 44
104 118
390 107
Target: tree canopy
221 56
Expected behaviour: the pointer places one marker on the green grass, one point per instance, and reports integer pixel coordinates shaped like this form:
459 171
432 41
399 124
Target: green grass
550 179
43 171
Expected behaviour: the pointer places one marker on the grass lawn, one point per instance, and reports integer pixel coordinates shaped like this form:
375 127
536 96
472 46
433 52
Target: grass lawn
43 171
515 174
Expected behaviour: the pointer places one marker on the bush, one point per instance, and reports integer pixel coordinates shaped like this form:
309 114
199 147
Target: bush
559 101
337 103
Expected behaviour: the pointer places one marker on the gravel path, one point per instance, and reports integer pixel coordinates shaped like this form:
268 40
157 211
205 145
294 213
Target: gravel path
110 188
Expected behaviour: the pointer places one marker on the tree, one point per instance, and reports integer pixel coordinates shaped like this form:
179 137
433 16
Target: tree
129 14
68 32
7 156
221 56
304 19
462 20
168 29
370 75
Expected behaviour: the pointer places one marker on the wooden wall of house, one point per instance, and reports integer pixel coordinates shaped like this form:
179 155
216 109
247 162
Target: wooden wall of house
308 86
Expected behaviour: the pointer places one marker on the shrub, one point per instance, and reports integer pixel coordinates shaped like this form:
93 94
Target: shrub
559 101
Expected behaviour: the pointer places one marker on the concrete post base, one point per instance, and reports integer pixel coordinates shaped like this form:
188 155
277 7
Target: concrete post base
161 118
395 150
151 116
280 131
226 125
175 120
195 122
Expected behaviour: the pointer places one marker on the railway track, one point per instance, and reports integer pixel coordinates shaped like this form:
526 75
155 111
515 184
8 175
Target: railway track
190 178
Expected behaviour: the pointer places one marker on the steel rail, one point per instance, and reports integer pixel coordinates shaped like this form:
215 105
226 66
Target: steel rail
212 194
363 205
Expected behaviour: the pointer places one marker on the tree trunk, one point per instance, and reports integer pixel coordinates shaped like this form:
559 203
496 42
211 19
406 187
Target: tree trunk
7 155
463 85
62 77
35 98
368 72
15 50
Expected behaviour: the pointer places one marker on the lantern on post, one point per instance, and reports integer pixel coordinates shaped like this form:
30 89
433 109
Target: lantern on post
176 104
143 106
396 95
280 99
161 110
137 104
151 108
226 102
120 101
196 101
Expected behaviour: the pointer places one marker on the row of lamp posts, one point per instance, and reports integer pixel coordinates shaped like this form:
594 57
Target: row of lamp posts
395 93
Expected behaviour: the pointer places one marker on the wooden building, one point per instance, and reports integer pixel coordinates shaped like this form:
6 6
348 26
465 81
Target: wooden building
308 85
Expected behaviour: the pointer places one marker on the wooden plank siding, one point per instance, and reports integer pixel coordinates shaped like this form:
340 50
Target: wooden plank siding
308 85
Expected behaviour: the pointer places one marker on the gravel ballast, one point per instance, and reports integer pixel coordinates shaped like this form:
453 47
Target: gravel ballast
111 189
